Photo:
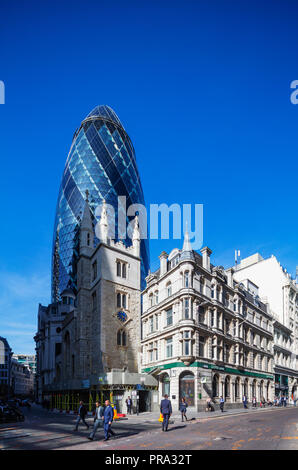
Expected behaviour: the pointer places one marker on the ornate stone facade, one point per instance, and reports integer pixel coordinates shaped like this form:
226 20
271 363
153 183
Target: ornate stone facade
203 334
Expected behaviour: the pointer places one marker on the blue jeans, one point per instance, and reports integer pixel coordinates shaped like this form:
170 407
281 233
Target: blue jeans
97 423
79 418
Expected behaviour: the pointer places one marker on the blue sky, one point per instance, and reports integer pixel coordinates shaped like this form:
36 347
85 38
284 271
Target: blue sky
202 88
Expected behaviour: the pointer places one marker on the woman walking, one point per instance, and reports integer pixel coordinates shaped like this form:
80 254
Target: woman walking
182 408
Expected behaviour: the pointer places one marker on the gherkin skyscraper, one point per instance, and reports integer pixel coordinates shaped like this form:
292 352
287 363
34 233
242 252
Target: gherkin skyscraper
101 161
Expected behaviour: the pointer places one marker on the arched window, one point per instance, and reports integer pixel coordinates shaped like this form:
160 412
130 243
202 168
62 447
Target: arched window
121 338
156 297
254 388
245 387
151 300
186 279
187 387
227 386
237 387
215 386
262 389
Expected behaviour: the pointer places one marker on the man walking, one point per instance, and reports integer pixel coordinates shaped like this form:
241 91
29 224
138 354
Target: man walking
82 411
107 420
244 399
128 404
221 404
99 411
166 411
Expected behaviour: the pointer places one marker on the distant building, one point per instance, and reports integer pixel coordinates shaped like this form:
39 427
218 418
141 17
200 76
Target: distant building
22 379
281 292
49 339
5 367
26 360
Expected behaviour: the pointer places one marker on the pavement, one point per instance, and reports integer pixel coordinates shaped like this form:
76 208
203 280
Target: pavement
195 415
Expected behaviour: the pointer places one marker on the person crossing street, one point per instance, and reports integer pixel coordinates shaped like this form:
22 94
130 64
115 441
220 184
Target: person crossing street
221 403
82 412
166 411
183 407
107 420
99 412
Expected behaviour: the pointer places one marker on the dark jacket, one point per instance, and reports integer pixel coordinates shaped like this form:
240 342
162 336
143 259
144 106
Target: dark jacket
165 406
183 406
82 411
108 414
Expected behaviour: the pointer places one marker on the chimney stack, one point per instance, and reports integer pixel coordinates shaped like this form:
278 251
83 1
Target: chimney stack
206 252
163 262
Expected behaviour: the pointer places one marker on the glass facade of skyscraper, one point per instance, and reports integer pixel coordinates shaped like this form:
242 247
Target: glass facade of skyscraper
101 160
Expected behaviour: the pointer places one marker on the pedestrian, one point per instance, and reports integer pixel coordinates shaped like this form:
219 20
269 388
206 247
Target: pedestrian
82 411
208 404
182 408
263 402
166 411
221 404
244 400
285 400
128 402
99 412
254 402
107 419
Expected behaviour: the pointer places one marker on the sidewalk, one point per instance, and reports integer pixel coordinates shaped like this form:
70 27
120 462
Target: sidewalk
150 416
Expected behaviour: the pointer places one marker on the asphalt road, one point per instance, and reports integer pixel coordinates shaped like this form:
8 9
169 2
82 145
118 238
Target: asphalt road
273 429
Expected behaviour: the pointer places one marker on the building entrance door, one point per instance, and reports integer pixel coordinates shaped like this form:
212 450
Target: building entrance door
144 401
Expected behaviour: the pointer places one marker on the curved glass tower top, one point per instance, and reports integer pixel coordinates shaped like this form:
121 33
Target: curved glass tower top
101 160
105 112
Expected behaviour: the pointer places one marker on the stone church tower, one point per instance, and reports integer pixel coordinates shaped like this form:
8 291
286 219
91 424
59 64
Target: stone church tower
108 301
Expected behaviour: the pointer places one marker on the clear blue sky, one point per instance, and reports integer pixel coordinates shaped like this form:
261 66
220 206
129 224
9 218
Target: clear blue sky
203 89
